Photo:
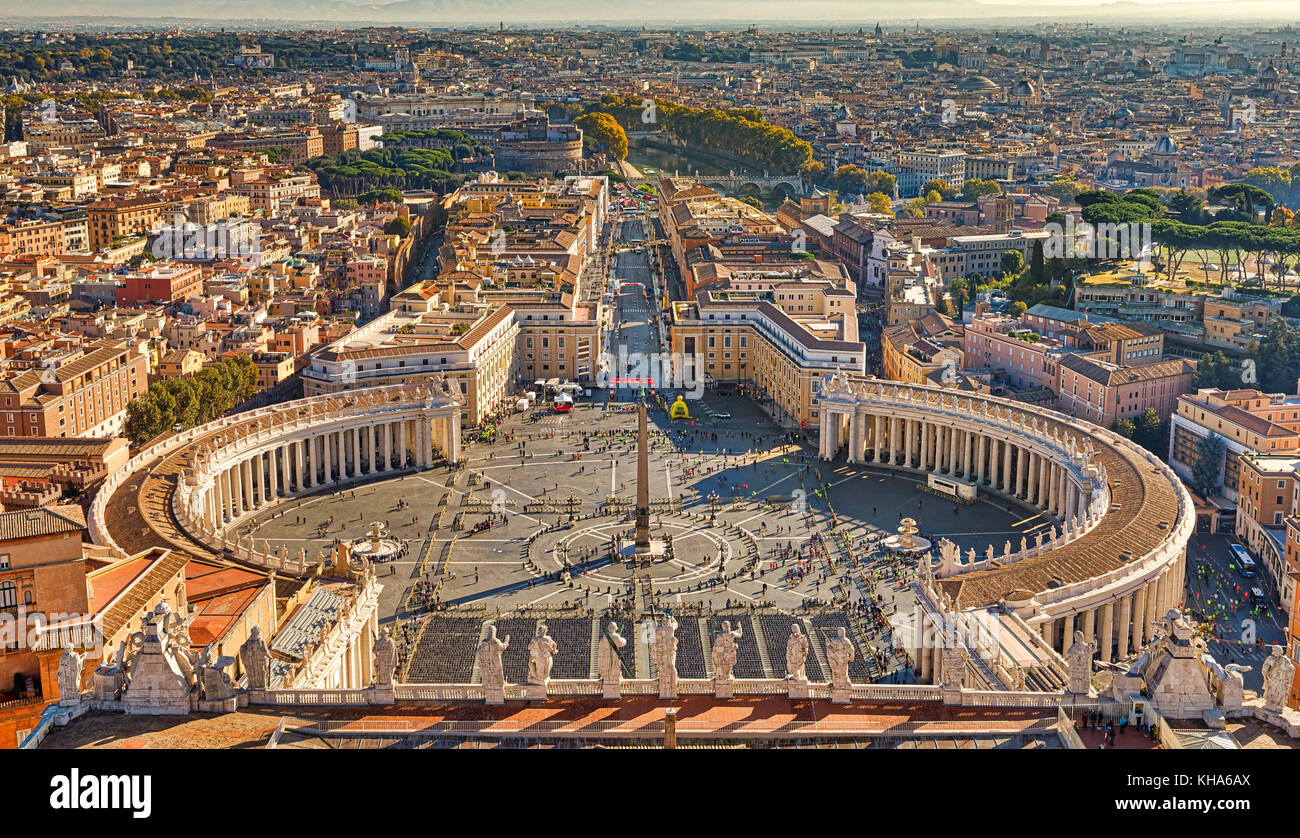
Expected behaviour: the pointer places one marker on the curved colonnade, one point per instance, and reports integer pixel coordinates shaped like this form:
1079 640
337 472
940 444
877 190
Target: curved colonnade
1114 561
189 491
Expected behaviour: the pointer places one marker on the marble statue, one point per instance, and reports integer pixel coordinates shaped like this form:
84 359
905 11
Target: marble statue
663 645
213 682
1278 672
724 651
256 659
69 675
796 654
126 652
1079 656
840 652
1232 688
384 654
541 656
163 676
488 657
608 663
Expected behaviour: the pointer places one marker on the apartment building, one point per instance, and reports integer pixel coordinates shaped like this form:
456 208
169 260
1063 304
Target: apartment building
113 219
84 395
1249 423
483 349
159 283
744 337
1002 344
1102 392
917 167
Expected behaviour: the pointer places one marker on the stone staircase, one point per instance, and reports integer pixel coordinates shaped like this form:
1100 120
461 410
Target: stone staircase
597 636
761 640
706 642
815 643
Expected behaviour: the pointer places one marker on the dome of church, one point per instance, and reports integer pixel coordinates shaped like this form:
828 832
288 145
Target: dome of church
977 84
1024 87
1165 145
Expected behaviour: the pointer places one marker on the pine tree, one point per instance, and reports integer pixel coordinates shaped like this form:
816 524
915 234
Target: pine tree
1205 474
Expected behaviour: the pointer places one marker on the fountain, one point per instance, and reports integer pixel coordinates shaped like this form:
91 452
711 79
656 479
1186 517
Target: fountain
375 545
907 540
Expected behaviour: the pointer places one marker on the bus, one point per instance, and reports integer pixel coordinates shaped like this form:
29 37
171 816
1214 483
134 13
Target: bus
1244 562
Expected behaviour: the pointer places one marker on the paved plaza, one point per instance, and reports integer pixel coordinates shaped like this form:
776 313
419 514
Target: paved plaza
538 520
754 521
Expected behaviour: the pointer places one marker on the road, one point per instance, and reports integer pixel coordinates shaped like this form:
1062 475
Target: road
1216 589
635 336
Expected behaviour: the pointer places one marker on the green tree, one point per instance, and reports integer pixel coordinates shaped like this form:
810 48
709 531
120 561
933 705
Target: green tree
1013 262
878 203
399 226
1150 431
1209 462
957 287
938 185
606 131
975 187
1064 189
1125 428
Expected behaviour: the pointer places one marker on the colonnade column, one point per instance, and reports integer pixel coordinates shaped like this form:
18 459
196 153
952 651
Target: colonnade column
855 423
1125 629
1107 631
1151 605
1139 617
246 467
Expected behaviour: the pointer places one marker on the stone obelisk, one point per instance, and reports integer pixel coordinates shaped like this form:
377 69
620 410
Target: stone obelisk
642 483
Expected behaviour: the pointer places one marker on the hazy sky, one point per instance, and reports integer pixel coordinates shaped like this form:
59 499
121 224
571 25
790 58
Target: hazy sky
798 14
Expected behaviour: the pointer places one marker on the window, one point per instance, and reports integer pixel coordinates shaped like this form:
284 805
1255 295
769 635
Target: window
8 595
